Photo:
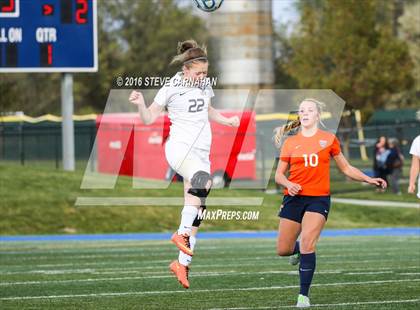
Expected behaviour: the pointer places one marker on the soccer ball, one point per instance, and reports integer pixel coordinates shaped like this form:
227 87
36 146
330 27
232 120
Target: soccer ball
208 5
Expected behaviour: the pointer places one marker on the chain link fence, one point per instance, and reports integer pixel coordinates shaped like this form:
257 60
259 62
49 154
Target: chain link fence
35 143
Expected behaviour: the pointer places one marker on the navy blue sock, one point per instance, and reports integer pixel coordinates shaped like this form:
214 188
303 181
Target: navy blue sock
296 250
306 272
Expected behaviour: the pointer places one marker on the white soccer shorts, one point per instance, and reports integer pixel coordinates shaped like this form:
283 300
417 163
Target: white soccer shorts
185 159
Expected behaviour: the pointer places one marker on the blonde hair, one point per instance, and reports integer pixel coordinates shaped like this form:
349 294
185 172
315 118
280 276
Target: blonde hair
280 132
189 52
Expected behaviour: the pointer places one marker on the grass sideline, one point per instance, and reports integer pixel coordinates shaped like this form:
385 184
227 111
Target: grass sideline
38 200
352 273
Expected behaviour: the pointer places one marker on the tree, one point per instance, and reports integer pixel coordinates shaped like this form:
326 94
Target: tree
341 46
91 89
346 47
135 38
283 53
32 93
150 31
410 33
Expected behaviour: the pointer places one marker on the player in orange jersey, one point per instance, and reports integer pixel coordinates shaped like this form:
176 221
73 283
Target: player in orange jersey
306 201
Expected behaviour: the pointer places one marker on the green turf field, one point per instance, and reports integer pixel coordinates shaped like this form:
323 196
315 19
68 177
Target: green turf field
37 200
352 273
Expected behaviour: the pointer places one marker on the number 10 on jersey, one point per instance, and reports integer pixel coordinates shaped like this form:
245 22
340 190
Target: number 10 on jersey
311 160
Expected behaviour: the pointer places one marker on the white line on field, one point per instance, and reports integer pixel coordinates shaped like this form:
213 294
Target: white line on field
165 201
198 274
216 244
163 275
138 270
117 245
377 203
161 252
343 304
264 288
125 262
203 265
367 273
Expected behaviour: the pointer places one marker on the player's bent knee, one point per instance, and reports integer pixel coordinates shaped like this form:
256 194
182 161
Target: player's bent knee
200 184
284 250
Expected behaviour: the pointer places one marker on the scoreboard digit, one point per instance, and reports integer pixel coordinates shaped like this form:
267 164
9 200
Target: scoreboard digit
48 36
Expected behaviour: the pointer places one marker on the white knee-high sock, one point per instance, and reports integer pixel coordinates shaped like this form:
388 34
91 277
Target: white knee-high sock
188 216
185 259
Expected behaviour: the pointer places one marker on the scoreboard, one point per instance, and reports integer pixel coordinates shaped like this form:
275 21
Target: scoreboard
48 36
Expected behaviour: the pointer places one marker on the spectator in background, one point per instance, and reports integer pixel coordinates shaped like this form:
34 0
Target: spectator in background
394 164
415 166
381 153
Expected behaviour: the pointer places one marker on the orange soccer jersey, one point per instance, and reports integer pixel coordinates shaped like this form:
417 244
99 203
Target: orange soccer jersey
309 161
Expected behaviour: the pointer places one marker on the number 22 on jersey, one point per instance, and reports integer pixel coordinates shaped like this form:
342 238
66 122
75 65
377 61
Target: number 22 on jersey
196 106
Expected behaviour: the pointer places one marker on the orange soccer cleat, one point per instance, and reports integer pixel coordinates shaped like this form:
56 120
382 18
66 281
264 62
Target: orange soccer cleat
181 273
182 242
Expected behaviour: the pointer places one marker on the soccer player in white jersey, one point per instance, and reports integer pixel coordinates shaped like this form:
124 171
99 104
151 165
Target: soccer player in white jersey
415 167
187 99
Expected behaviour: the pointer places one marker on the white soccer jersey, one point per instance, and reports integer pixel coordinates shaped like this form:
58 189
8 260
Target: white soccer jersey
188 111
415 150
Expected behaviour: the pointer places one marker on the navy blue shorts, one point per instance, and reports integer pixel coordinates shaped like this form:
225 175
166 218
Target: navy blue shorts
294 207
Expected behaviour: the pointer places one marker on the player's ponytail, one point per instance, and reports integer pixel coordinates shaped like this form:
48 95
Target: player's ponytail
188 52
281 131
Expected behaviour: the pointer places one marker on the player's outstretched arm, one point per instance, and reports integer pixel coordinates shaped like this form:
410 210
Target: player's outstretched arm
414 172
355 173
147 114
216 116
